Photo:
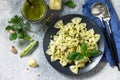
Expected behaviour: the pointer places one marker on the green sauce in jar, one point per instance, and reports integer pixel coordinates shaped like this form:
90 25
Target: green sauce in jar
35 12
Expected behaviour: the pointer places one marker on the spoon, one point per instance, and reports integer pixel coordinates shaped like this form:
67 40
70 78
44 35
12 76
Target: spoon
98 10
30 3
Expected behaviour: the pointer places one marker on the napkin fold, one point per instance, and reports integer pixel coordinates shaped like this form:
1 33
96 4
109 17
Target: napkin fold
115 24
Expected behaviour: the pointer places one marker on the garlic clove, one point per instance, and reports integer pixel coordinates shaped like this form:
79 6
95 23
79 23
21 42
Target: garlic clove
13 50
11 31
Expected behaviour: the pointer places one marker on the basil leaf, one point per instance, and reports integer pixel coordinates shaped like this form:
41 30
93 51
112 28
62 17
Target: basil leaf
84 47
16 20
20 35
79 57
73 55
92 53
16 27
13 36
13 20
20 31
9 28
70 4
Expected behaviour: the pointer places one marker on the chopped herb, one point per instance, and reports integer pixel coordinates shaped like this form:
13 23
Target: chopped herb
51 36
70 4
48 46
47 23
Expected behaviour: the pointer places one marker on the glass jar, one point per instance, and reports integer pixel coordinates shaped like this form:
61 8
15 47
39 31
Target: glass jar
34 12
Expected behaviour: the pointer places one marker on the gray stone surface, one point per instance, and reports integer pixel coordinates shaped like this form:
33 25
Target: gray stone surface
12 67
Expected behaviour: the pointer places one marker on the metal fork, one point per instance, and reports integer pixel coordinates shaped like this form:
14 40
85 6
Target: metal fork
107 19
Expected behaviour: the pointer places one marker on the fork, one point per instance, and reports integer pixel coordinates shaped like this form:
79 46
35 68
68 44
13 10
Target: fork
107 19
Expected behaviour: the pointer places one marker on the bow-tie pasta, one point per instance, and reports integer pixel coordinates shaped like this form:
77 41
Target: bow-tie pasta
68 39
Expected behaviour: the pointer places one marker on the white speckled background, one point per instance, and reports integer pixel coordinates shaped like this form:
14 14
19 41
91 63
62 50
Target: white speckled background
12 67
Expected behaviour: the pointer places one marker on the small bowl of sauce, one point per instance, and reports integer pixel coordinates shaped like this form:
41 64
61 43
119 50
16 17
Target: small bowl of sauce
34 12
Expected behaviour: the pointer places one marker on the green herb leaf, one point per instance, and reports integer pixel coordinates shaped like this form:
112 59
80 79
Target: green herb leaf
20 31
9 28
16 27
13 36
79 57
92 53
19 26
20 35
70 4
47 23
73 55
16 19
84 47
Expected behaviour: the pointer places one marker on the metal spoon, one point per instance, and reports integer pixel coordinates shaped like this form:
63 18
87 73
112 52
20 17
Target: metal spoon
98 10
30 3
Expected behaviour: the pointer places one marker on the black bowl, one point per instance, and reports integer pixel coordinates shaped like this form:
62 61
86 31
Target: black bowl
52 31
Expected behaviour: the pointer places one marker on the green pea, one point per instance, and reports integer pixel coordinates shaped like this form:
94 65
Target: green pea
28 48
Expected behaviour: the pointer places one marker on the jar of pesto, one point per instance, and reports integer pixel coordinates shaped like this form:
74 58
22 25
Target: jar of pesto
34 12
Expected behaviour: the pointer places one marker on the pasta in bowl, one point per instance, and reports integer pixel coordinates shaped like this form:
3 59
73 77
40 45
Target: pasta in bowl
72 43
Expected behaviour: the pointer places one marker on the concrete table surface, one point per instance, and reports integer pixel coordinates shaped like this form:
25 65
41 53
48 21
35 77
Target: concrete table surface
12 67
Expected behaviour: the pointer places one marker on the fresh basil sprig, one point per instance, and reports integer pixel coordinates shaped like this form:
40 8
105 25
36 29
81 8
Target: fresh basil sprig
84 53
17 24
70 4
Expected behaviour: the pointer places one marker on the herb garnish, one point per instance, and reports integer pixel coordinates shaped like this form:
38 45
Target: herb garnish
17 25
84 53
70 4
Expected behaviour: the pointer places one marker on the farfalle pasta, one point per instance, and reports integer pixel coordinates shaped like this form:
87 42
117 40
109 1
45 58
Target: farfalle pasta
69 39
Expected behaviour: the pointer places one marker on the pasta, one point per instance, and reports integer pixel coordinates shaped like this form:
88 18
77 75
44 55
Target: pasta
68 39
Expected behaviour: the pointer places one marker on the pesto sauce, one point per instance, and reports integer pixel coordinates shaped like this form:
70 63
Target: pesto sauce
36 12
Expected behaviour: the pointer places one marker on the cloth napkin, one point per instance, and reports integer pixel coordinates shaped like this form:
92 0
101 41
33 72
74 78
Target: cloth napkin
86 9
